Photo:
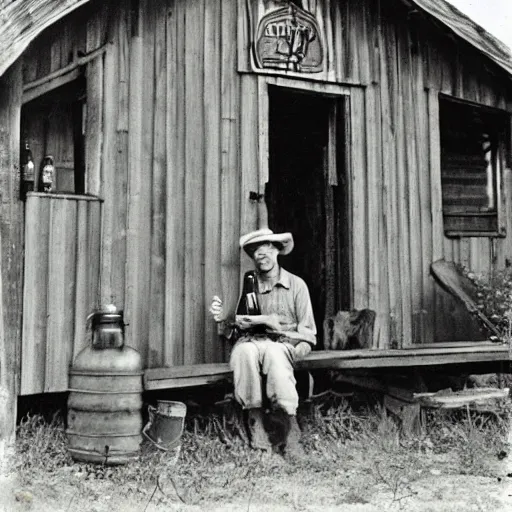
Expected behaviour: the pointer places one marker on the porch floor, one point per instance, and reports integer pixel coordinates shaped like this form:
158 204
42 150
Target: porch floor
436 354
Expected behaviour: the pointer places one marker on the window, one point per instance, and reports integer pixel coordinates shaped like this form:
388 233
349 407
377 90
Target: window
53 124
473 156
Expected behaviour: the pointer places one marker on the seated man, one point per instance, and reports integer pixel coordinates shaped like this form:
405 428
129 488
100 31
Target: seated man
270 343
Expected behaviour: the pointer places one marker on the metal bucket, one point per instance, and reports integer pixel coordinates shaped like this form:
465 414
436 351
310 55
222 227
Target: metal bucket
165 424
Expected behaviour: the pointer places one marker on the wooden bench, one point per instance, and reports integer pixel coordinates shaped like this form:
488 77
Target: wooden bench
437 354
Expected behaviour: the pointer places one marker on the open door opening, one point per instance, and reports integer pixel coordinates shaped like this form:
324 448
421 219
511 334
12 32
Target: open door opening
307 193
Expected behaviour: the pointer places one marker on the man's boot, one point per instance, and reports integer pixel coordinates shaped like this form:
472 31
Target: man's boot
293 449
257 433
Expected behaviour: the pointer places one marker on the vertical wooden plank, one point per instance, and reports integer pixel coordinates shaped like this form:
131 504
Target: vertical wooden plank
7 397
119 198
61 294
133 199
249 157
325 21
421 133
244 36
373 202
211 106
11 251
402 194
158 214
230 179
94 125
109 181
263 146
359 194
175 229
435 173
29 65
413 191
390 227
81 284
194 185
436 199
364 54
348 61
34 296
55 53
94 209
66 50
338 39
43 55
148 14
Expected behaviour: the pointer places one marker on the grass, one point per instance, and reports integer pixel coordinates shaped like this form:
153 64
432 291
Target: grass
356 452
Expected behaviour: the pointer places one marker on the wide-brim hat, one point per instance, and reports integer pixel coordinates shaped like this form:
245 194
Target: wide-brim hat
283 241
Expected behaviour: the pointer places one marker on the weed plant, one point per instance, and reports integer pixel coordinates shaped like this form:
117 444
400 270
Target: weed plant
357 450
494 298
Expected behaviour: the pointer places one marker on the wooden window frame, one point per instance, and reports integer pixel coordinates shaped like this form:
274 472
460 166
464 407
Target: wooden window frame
458 224
335 91
72 86
89 66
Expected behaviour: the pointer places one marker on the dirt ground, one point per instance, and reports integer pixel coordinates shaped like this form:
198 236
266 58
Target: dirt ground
436 486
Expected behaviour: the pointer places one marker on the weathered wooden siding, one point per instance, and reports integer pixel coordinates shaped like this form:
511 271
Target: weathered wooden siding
62 250
163 152
179 140
11 251
397 63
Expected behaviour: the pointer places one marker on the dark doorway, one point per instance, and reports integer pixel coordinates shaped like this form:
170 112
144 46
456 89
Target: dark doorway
306 193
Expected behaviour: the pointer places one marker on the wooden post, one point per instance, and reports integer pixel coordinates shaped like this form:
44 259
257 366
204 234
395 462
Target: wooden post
11 253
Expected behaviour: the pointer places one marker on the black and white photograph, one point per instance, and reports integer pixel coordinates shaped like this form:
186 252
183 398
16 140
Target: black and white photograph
255 255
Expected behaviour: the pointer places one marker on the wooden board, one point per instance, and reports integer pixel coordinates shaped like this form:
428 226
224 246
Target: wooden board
156 338
175 192
462 289
203 374
212 157
11 252
134 185
61 294
93 134
62 255
35 295
194 304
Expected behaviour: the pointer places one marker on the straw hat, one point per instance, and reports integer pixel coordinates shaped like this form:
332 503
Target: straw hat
283 241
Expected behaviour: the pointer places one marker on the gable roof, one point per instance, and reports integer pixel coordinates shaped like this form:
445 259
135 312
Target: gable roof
467 29
21 21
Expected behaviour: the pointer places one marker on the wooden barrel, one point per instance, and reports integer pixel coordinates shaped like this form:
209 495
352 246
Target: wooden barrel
104 405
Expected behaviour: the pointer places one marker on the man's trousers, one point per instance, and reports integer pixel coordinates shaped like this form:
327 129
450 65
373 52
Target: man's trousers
259 362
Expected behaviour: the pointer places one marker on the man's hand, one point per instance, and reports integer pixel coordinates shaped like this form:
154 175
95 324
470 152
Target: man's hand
302 349
248 321
217 309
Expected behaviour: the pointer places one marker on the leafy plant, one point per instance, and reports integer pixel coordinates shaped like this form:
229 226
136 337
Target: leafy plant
494 298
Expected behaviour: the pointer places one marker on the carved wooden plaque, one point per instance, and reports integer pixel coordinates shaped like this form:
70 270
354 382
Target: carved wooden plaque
288 38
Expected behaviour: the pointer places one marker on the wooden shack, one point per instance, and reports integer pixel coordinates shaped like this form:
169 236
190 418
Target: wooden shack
378 132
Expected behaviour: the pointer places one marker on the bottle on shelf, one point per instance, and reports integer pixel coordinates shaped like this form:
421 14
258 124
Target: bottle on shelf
27 170
47 175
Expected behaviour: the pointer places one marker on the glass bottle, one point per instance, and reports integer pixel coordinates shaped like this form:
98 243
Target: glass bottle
252 306
47 174
27 170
